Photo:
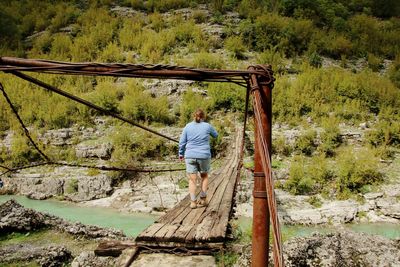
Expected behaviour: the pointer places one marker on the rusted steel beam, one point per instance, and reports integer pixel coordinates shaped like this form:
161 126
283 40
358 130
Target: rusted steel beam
261 222
264 190
128 70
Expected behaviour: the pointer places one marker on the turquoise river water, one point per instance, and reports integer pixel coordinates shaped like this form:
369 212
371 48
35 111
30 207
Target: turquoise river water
130 223
133 223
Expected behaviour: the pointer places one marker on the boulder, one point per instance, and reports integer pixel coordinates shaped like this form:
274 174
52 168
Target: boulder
389 206
88 187
88 258
97 150
339 211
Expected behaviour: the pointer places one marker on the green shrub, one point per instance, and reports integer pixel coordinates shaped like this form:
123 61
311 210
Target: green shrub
374 62
235 46
217 144
394 72
280 147
384 133
330 137
64 15
165 5
106 95
93 172
323 92
112 53
299 181
139 105
226 258
338 46
133 146
72 186
156 21
183 183
308 176
199 16
226 96
191 101
41 45
208 61
130 34
305 143
61 47
274 58
315 201
355 170
21 152
315 60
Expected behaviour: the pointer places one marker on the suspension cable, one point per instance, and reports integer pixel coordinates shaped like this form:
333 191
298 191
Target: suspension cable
22 123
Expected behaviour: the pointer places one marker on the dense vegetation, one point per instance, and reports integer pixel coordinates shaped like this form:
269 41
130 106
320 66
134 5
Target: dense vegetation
294 36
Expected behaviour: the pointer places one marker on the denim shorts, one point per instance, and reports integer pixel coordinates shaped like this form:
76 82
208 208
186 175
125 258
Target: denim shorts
197 165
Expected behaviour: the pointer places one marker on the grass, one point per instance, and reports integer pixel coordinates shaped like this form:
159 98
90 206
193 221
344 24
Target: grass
48 237
183 183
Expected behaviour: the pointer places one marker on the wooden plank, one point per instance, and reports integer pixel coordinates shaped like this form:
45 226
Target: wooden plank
204 227
149 232
167 228
219 227
181 233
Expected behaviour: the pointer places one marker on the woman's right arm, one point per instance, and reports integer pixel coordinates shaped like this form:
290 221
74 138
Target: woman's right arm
182 143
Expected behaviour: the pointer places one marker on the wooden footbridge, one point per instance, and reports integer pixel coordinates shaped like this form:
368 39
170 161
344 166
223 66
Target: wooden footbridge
182 227
205 227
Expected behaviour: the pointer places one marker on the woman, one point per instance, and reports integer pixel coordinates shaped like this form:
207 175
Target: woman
194 146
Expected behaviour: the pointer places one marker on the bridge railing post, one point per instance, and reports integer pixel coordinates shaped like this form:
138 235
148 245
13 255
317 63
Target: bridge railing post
261 216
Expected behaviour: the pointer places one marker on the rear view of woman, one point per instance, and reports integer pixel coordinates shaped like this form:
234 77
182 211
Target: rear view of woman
194 146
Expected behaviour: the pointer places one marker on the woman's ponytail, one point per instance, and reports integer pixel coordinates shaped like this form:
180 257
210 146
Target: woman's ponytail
199 115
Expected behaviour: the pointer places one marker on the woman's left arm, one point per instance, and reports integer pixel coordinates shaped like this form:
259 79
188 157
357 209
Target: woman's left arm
213 132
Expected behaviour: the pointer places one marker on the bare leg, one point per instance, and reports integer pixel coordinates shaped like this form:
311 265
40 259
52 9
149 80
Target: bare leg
192 185
204 182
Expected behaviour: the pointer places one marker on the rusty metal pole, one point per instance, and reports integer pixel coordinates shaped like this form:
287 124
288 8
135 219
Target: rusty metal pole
261 216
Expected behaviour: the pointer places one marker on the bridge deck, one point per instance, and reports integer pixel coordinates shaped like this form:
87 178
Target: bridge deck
204 227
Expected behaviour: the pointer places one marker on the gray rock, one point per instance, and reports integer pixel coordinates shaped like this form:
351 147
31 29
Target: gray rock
49 256
389 207
88 258
59 137
102 150
339 211
305 216
170 260
371 196
392 190
92 187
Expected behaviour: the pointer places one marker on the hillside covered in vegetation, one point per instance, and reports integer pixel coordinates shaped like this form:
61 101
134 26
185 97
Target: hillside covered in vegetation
337 64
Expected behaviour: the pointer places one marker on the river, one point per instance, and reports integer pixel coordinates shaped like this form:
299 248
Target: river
133 223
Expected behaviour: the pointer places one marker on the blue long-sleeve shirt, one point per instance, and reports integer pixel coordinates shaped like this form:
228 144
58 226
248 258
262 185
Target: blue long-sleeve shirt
195 140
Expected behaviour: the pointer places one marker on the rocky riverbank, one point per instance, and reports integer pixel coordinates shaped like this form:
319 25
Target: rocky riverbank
344 248
371 207
55 241
16 218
